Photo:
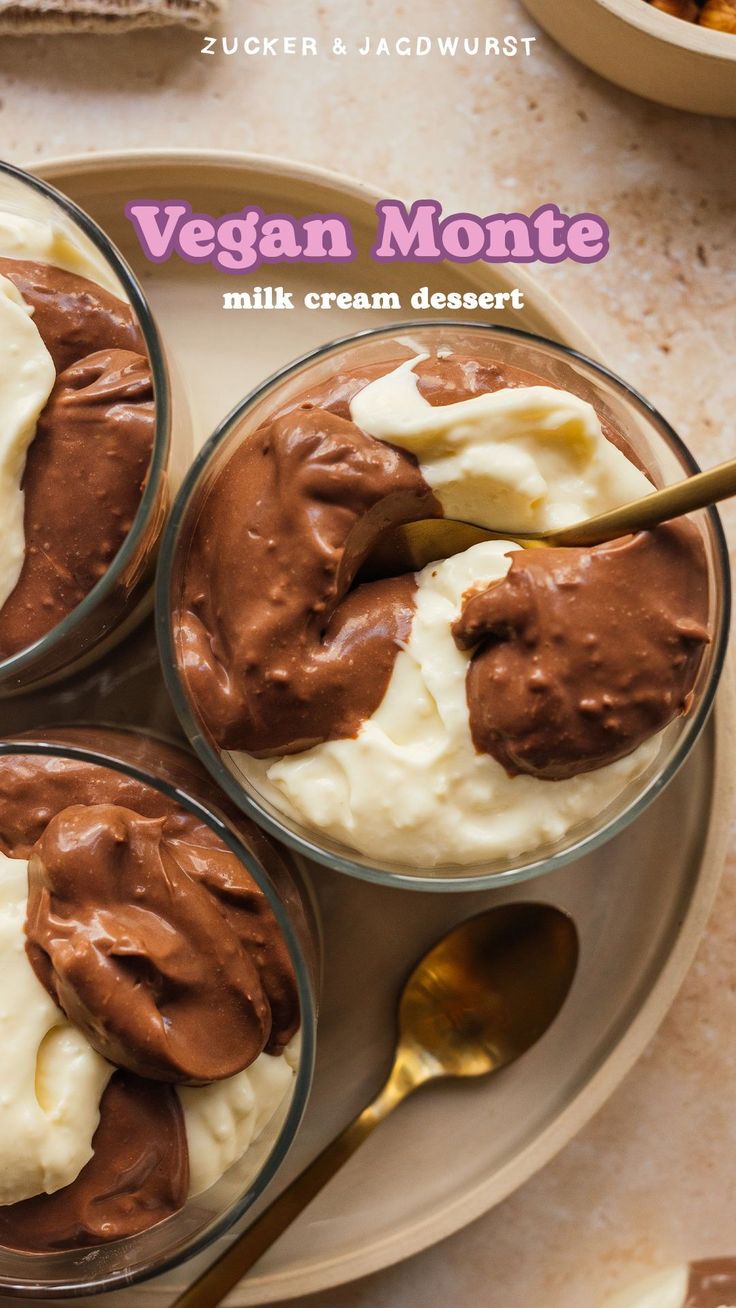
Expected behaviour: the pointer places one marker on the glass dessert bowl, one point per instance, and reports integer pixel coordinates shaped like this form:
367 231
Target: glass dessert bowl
394 730
166 1047
88 445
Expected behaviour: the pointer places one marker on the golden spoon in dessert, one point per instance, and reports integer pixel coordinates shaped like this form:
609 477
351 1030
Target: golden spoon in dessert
415 544
478 1000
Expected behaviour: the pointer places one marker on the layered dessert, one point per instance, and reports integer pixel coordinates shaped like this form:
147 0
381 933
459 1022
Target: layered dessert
78 430
480 708
149 1012
709 1283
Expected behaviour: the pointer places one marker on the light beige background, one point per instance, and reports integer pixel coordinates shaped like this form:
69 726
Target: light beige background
652 1178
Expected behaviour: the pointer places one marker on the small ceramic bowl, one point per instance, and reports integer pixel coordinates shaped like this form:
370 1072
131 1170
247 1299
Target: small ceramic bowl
655 443
174 773
647 51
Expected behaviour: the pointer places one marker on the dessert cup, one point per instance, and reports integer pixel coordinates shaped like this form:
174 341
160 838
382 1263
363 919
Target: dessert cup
123 593
651 439
177 776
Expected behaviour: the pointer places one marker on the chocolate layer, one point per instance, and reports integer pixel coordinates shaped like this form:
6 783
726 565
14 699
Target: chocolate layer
278 650
712 1284
74 316
83 482
34 790
88 461
277 654
137 952
582 654
138 1175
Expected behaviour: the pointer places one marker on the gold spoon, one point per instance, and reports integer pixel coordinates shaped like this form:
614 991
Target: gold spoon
415 544
477 1001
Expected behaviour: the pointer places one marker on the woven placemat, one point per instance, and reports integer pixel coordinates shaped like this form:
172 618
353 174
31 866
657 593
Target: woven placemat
24 17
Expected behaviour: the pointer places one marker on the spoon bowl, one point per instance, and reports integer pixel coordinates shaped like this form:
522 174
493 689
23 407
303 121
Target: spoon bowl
489 990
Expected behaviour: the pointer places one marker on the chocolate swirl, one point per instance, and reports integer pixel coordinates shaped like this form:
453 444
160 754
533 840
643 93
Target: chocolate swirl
138 1175
34 789
244 906
88 461
158 943
136 951
277 654
83 482
74 316
278 649
582 654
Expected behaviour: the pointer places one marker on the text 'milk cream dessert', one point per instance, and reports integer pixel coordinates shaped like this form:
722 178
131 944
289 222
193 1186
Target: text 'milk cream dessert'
77 399
482 707
149 1012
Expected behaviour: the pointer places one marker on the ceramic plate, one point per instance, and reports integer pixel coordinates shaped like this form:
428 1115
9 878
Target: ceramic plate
640 903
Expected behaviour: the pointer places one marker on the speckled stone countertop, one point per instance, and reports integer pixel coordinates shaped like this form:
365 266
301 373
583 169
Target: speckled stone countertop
652 1178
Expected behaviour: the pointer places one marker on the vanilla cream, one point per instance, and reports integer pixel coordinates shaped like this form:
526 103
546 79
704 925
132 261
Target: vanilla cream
519 459
51 1080
43 241
225 1118
27 375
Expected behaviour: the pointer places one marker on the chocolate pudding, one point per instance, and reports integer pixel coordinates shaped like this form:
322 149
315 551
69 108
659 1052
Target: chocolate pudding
160 991
339 700
575 662
85 464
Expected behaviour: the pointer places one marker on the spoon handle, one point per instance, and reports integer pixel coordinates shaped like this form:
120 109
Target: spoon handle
219 1278
686 496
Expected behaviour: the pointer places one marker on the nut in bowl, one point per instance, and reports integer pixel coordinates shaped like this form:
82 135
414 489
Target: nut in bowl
648 48
500 711
87 450
148 917
718 15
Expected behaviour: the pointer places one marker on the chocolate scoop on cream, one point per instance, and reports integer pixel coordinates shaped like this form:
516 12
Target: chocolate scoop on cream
137 952
73 477
391 715
302 659
151 957
575 661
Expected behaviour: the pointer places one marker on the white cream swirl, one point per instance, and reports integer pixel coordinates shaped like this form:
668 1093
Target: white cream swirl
27 375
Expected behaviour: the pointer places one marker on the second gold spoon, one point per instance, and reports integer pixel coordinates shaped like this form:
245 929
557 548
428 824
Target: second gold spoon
477 1001
411 546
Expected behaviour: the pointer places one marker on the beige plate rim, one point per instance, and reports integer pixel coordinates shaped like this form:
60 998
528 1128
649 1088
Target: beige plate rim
411 1239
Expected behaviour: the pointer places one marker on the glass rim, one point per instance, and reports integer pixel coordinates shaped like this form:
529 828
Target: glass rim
124 1277
308 847
25 658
